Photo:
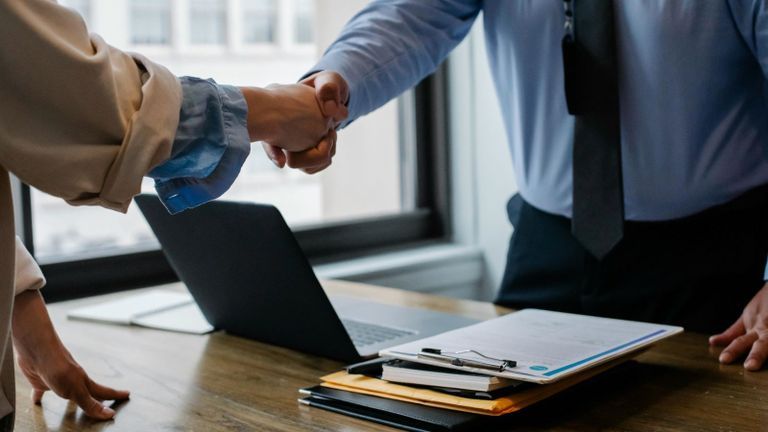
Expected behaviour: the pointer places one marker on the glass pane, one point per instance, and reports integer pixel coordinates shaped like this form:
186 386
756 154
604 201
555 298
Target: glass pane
150 22
305 29
369 174
259 21
208 22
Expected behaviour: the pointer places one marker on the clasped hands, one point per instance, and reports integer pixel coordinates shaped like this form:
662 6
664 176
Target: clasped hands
297 123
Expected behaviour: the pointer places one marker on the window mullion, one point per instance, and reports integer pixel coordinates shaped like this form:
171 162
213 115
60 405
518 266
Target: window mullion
180 37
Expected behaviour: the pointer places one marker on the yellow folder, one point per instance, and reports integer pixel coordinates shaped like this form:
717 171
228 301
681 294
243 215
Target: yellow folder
503 405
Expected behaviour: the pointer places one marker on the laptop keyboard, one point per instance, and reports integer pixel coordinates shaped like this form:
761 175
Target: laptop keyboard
363 334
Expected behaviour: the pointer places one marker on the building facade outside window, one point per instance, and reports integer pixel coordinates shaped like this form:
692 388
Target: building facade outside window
305 32
208 22
260 21
150 22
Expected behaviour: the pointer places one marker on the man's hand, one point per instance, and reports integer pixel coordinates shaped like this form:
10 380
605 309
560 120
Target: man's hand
748 334
49 366
286 116
332 94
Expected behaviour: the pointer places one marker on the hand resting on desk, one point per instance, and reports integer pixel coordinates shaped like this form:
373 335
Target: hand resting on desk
49 366
749 334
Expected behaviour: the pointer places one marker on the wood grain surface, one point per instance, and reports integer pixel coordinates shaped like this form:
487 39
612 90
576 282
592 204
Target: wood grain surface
225 383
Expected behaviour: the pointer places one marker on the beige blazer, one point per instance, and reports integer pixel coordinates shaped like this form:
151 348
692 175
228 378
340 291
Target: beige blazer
80 120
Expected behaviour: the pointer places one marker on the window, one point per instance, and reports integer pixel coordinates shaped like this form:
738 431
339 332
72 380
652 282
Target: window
385 187
304 21
259 21
150 22
208 22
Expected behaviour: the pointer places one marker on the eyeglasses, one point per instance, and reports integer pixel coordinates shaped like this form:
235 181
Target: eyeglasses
454 358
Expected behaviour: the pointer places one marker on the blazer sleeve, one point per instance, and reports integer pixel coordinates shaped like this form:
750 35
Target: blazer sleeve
28 274
79 119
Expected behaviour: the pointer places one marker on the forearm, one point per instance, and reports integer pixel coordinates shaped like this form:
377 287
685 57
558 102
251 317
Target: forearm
32 326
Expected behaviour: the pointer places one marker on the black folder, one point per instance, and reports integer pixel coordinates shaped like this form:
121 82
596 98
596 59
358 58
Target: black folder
402 415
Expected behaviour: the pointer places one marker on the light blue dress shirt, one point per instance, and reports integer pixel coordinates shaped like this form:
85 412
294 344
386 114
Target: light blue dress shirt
210 147
694 105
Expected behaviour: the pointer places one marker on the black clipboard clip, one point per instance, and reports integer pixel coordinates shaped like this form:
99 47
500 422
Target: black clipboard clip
454 358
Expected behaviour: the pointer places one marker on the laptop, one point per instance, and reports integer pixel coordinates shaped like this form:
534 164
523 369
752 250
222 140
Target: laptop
248 275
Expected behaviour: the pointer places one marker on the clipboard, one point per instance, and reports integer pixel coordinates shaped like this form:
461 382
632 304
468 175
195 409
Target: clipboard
544 346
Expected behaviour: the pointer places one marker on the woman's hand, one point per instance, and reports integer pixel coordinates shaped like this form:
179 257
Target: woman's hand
49 366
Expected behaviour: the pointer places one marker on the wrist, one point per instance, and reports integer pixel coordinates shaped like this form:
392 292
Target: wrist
259 101
32 329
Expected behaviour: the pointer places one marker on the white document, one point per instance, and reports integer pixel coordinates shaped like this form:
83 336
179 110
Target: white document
182 319
160 309
547 346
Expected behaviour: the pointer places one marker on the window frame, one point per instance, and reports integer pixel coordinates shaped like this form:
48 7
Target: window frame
429 222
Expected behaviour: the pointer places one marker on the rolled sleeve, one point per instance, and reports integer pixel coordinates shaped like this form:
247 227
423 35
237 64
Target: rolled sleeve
210 147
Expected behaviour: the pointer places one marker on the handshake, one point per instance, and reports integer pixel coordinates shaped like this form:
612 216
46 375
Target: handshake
297 123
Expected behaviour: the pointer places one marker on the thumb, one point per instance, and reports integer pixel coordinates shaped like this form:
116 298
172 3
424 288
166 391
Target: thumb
275 154
332 93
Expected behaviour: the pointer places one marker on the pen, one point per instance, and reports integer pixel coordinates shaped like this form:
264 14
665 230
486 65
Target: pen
440 355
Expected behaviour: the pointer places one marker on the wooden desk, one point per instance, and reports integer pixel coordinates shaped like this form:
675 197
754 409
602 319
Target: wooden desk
225 383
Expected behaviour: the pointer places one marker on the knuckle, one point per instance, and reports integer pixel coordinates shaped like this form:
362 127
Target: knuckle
329 88
335 76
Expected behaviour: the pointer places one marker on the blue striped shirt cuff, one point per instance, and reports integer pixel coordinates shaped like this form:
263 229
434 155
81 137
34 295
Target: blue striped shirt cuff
210 147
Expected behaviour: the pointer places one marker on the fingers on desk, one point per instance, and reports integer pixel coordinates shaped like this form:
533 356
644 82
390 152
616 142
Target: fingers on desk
735 330
101 392
758 354
91 407
738 347
89 396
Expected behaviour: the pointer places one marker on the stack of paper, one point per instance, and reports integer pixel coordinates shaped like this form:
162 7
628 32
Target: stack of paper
546 346
500 406
405 372
553 351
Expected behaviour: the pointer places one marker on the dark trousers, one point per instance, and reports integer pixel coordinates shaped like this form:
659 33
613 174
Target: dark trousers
698 272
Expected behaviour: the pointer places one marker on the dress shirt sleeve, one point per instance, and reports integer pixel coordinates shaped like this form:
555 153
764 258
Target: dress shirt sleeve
391 45
751 18
210 147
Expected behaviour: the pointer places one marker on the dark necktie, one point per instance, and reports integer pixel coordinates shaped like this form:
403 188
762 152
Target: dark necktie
592 95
